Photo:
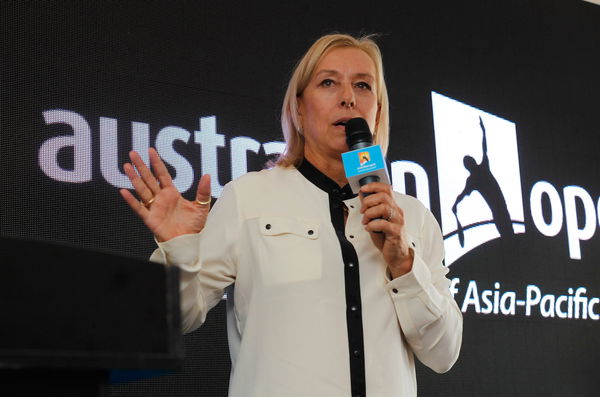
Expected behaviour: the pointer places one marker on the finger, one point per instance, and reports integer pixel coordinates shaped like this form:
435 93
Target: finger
380 226
203 192
141 189
145 173
374 200
134 203
376 187
160 169
381 211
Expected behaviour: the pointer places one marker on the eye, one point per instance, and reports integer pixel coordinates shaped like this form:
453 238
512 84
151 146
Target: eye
363 85
327 83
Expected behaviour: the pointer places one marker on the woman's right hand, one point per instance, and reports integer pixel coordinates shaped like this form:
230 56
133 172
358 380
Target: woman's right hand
165 212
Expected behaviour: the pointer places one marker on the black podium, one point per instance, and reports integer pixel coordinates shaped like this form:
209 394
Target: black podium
69 316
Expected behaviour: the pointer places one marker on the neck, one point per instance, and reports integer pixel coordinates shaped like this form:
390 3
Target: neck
332 168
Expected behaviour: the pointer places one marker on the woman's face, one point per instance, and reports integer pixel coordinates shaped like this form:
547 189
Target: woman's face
342 87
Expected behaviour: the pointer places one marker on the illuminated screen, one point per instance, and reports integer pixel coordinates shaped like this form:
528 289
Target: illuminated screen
495 126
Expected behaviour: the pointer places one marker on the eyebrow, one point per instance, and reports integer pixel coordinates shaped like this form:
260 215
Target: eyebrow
335 72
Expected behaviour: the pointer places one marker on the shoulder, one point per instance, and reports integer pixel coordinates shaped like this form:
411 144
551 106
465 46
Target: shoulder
415 212
265 177
409 203
269 182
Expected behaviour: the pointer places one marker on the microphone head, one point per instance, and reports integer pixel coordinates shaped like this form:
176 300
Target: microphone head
358 134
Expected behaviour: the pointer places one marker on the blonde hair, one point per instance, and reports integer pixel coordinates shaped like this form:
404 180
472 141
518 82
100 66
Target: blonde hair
290 122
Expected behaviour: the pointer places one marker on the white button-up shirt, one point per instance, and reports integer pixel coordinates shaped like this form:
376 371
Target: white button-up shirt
271 233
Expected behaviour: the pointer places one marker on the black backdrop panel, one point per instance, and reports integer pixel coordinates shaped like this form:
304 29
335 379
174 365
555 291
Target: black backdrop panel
160 71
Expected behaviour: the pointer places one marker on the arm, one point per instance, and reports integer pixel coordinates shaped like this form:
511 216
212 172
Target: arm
207 260
201 245
485 160
428 315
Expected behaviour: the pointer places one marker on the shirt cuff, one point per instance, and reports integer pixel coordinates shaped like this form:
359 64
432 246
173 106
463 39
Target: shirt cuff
181 251
416 287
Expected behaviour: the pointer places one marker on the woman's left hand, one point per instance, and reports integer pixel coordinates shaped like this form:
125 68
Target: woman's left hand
387 232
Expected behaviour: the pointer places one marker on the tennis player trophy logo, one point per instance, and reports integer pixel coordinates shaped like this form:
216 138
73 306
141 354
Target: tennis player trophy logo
364 157
478 174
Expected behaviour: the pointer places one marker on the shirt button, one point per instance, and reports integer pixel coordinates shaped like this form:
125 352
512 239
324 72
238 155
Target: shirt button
354 308
356 353
351 236
351 264
268 226
310 232
395 290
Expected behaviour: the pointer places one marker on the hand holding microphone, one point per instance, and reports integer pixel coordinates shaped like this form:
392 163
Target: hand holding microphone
364 165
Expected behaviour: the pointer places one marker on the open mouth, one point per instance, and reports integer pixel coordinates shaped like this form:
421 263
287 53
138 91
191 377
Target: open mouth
341 122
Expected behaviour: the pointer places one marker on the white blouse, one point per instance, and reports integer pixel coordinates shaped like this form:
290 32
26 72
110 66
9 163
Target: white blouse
294 330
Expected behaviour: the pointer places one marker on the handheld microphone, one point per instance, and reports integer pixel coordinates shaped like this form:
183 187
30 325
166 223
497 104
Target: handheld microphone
364 163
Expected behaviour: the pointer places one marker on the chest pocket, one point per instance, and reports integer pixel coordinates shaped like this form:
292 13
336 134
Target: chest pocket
289 249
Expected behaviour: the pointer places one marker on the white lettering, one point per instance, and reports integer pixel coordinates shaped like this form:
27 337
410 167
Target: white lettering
454 286
471 298
574 233
533 296
489 305
547 306
274 147
109 160
580 300
81 141
508 297
184 174
593 315
535 200
239 160
209 140
559 311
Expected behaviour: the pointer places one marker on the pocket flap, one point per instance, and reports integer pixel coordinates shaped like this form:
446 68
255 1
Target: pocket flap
303 227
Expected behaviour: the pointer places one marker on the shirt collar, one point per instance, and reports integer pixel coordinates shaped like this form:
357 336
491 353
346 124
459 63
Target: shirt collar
323 182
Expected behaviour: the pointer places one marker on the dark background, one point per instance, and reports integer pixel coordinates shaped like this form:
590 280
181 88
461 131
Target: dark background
535 63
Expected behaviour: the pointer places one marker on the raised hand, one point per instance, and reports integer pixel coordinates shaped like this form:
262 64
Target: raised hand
160 205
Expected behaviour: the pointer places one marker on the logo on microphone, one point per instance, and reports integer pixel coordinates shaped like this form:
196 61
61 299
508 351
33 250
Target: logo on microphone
364 157
478 175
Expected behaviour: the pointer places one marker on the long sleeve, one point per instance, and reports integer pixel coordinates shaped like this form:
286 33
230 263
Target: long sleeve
271 234
208 260
429 317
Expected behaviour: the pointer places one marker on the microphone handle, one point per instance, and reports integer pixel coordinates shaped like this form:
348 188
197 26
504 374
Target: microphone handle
368 179
364 181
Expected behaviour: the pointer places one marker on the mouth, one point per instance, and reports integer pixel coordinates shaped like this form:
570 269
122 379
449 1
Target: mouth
341 122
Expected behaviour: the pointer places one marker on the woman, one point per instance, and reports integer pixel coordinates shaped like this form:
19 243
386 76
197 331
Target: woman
334 293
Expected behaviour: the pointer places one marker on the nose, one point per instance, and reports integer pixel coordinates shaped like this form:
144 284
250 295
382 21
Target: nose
347 99
347 103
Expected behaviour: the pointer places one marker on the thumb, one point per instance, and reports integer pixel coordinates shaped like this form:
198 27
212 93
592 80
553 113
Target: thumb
203 196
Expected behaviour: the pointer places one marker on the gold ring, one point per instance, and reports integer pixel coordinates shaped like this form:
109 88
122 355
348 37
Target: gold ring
148 203
203 202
